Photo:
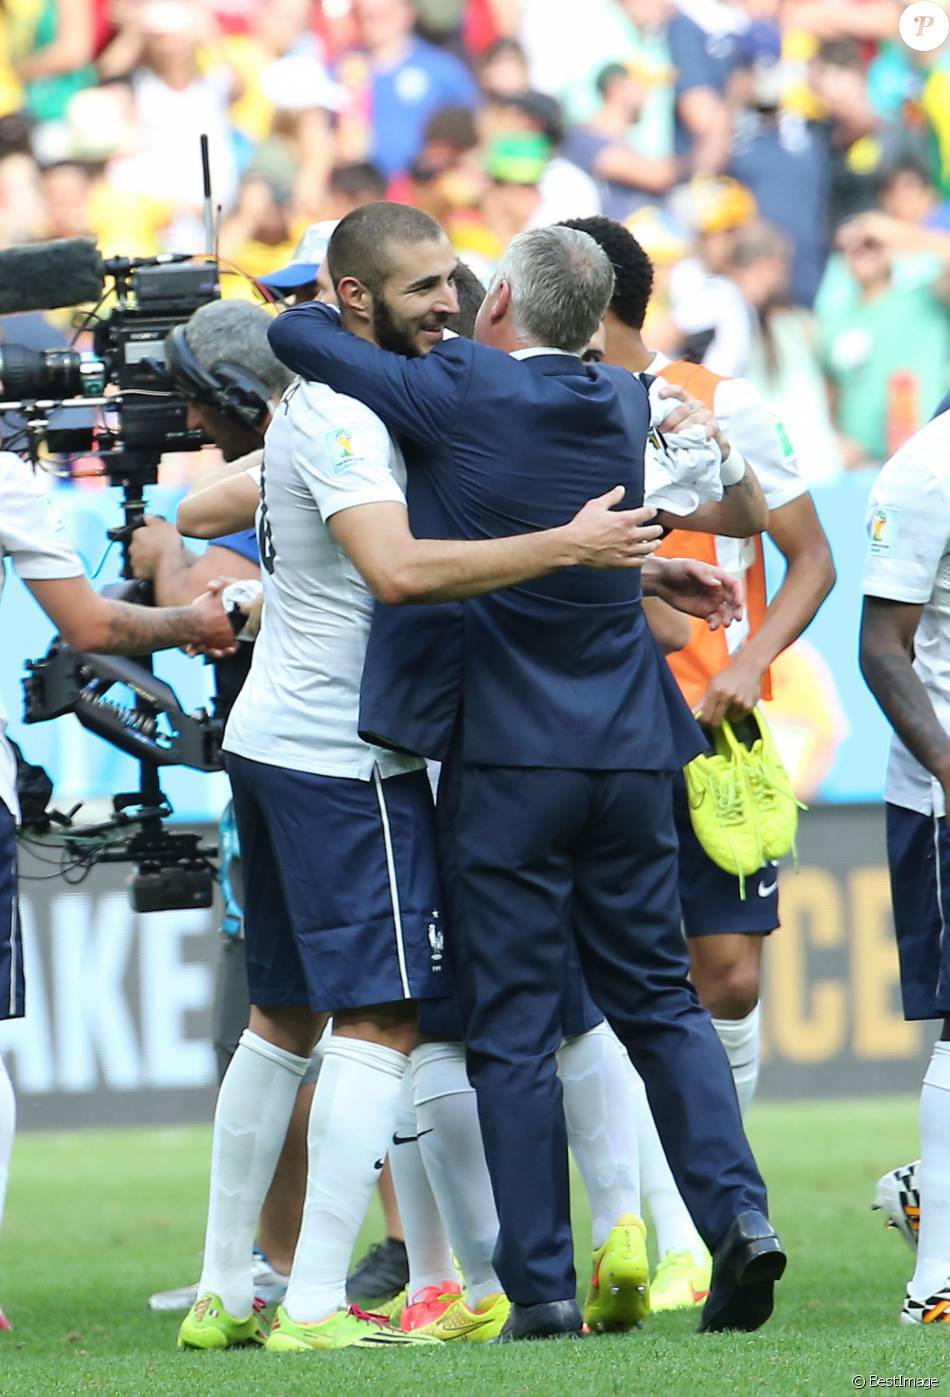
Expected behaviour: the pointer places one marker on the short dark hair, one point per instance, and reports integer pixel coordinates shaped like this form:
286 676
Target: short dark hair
455 126
607 75
502 46
470 293
633 270
360 240
840 53
906 164
356 178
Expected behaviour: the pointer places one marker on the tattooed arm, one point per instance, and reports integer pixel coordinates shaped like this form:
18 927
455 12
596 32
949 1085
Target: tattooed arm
91 622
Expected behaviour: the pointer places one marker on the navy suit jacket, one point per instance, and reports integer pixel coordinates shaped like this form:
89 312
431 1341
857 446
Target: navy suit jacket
562 671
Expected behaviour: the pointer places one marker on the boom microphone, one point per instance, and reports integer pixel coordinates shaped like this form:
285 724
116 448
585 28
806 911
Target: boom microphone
43 276
64 272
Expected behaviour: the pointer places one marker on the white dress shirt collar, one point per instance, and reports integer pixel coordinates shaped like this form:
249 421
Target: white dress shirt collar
537 349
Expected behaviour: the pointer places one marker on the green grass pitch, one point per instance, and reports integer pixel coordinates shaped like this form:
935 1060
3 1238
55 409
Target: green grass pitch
96 1220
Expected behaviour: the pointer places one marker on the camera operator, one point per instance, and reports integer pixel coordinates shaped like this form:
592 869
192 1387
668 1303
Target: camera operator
34 538
224 367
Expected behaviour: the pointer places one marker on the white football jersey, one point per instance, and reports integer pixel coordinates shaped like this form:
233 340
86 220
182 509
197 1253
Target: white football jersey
749 422
299 706
909 561
32 536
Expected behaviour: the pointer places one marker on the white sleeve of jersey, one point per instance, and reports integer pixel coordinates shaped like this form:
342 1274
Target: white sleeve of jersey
749 422
343 453
252 465
682 468
908 524
31 531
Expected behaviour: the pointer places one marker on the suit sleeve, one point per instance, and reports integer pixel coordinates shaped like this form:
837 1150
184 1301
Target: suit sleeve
418 398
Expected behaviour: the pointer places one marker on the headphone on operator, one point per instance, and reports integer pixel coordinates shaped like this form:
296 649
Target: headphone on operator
226 386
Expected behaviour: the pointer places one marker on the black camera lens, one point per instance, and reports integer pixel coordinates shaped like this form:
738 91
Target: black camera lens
40 373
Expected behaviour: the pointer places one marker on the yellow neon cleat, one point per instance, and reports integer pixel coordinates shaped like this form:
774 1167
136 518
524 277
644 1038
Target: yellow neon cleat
207 1325
774 799
472 1326
723 815
348 1327
393 1309
681 1282
619 1293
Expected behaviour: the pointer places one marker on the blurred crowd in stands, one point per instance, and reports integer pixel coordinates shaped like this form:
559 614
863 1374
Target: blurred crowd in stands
786 163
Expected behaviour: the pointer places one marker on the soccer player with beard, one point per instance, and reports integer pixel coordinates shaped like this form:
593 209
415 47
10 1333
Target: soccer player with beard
341 892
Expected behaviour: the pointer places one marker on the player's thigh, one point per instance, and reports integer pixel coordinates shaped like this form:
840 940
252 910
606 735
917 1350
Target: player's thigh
360 873
275 976
918 856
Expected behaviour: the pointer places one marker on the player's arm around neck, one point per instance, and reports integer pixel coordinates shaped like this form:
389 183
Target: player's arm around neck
401 570
419 398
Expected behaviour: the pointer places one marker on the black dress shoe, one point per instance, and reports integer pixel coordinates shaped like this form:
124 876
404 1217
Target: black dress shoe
559 1319
381 1274
748 1262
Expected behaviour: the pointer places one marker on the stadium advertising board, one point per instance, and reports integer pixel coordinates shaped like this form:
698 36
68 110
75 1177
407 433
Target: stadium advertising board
119 1004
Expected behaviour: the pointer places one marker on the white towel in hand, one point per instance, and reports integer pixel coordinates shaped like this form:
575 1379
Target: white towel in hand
682 469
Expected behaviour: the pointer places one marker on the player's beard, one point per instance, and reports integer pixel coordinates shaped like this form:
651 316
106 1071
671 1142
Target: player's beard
398 336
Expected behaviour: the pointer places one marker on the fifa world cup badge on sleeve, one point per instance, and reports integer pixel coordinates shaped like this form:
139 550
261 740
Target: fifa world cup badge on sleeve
340 450
883 527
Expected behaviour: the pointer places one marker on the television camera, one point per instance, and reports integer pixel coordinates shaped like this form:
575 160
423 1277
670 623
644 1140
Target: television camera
137 414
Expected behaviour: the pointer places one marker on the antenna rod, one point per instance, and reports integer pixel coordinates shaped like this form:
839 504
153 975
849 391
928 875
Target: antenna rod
208 205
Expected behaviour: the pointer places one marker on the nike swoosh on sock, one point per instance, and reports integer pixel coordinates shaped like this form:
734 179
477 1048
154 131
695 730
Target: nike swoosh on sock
408 1139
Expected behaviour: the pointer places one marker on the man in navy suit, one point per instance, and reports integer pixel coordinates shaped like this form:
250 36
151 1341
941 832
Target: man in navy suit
562 730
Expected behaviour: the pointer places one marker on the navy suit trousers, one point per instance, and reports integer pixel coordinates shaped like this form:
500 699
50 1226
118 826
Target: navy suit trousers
531 858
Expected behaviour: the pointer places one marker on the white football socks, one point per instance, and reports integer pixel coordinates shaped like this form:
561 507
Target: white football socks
427 1248
740 1038
7 1131
450 1139
673 1227
351 1126
600 1109
250 1124
932 1271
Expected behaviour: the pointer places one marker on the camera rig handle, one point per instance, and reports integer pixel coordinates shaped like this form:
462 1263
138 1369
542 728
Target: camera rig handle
72 681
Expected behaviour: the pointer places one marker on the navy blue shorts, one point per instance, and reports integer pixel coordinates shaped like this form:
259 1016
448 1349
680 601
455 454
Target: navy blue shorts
341 889
12 989
710 895
918 856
